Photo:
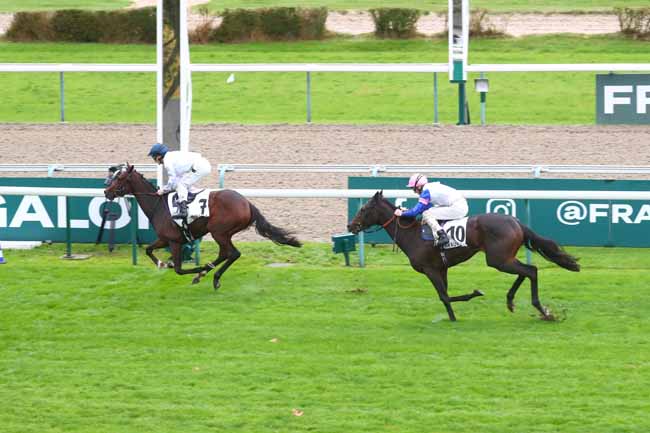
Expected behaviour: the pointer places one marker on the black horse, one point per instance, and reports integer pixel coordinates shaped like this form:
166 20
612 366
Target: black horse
230 213
498 235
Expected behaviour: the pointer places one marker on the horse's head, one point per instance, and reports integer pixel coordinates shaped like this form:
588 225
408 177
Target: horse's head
375 211
117 182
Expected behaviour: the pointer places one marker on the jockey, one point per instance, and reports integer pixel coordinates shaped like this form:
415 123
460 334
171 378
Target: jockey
183 169
437 202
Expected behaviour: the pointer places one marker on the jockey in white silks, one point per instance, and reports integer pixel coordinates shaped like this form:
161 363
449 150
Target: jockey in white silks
184 169
437 202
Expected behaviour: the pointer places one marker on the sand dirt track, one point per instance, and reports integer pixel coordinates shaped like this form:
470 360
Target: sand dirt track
317 219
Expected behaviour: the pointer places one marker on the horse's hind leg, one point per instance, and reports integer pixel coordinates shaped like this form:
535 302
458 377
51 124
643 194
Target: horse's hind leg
510 297
524 271
231 253
207 268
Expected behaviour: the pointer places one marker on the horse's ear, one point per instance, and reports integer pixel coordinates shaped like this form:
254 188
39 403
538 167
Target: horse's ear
129 167
381 193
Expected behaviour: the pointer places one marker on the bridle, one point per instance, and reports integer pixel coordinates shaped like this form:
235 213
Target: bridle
120 190
387 223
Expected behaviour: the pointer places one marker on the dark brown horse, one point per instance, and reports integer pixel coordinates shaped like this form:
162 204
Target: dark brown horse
498 235
230 213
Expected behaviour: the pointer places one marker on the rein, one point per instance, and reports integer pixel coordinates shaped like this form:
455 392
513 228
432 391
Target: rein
128 178
397 226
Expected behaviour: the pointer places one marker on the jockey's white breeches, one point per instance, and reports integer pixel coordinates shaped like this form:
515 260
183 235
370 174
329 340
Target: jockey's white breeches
200 169
457 209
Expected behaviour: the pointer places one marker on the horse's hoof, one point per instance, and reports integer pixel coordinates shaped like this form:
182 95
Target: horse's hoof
511 307
547 315
216 284
170 265
196 280
478 293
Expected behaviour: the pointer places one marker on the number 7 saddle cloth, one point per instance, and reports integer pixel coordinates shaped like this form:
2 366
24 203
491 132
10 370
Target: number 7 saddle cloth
197 205
456 231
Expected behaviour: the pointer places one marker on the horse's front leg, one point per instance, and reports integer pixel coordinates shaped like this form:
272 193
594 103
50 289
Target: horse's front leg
177 257
436 277
158 243
460 298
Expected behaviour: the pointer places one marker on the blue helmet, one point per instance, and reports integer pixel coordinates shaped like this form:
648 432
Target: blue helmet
158 149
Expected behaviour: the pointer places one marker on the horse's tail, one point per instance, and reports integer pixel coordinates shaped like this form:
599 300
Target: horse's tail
268 230
549 249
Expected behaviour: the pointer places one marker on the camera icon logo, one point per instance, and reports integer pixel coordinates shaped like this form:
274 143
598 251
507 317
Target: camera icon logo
506 206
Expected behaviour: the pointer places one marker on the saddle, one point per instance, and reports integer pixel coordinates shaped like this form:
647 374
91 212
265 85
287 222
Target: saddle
456 231
194 210
427 234
190 197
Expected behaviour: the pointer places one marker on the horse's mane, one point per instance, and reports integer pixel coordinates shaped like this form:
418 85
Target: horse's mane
393 207
153 187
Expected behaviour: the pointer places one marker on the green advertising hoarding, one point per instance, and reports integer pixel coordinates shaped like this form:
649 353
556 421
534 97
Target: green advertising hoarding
569 222
41 218
623 99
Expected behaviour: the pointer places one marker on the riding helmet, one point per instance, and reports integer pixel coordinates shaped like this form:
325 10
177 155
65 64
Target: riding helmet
158 150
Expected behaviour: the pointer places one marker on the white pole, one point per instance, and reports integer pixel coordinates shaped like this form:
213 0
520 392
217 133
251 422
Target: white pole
186 80
159 80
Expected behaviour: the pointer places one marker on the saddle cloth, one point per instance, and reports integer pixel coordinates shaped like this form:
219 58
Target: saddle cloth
456 231
197 205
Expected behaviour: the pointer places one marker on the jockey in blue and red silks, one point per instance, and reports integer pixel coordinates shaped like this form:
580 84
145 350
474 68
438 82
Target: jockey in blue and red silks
437 202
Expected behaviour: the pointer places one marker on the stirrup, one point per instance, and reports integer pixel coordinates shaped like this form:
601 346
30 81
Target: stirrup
181 212
443 239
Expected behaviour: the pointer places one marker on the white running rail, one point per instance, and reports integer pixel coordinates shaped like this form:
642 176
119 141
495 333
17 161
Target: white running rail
359 193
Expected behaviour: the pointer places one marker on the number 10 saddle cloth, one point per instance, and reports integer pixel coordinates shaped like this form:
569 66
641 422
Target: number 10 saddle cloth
456 231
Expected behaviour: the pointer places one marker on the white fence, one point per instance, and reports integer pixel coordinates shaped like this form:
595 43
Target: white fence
308 68
345 194
51 169
328 67
376 169
359 193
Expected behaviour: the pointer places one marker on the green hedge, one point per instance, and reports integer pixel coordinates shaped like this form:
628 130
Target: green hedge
72 25
282 23
30 26
395 22
634 22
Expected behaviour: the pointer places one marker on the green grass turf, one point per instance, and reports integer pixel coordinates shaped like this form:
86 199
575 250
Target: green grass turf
438 5
519 98
101 345
48 5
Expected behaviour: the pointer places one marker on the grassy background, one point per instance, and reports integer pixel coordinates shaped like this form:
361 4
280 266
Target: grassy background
429 5
46 5
439 5
101 345
541 98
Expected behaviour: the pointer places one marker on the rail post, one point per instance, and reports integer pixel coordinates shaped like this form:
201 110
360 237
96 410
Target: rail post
68 231
134 231
529 222
308 97
62 97
362 249
222 175
436 120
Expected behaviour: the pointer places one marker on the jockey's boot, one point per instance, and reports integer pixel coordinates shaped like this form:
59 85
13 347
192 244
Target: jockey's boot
182 210
443 239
